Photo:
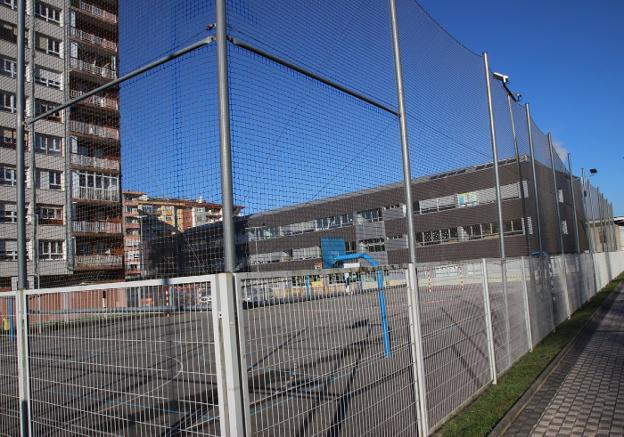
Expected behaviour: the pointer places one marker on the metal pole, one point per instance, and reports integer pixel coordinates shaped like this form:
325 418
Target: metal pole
34 249
576 231
488 321
499 206
20 106
554 175
229 245
411 240
601 220
585 213
538 211
527 311
592 220
561 248
521 179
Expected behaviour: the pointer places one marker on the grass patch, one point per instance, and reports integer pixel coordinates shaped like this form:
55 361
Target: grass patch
481 416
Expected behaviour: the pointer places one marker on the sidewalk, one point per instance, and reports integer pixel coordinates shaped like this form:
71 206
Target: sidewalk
584 394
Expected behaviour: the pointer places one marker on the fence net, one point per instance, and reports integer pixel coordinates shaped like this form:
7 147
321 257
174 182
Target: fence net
124 182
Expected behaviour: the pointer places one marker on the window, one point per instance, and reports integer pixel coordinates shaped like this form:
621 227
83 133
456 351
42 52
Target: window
7 175
7 102
8 250
564 227
50 215
48 45
55 180
43 106
51 249
11 4
373 245
8 213
48 78
370 216
48 13
48 144
8 32
8 67
8 137
560 195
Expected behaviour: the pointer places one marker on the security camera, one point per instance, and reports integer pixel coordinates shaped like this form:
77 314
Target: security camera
502 77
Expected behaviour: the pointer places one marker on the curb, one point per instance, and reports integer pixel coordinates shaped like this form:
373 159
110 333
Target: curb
518 407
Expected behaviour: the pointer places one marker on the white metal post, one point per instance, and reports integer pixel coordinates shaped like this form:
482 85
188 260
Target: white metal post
230 357
527 311
488 321
23 363
418 365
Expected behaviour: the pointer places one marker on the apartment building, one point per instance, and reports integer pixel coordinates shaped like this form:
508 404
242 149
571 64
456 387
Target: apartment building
148 218
74 232
455 218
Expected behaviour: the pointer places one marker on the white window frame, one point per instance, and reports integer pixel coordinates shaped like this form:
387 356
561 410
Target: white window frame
48 12
8 67
51 249
7 102
53 183
48 78
7 174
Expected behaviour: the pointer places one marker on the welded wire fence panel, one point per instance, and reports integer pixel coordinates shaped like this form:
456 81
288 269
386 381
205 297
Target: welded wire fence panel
540 297
453 336
574 280
559 289
9 396
317 358
516 311
123 360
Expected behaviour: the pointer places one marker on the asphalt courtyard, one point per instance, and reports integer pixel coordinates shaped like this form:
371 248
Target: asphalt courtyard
315 367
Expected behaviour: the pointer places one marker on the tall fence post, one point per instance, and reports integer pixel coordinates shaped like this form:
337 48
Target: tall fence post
527 311
538 210
230 358
488 321
225 146
499 205
561 246
576 230
411 240
20 109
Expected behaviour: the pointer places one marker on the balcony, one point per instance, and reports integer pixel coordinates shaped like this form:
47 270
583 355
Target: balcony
105 72
100 102
98 261
94 129
96 227
92 39
93 162
94 11
91 193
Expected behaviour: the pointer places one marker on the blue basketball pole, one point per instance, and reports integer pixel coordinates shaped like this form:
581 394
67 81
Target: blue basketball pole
11 319
383 313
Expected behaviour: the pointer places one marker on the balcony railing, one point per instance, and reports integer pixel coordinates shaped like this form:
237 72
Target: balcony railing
91 193
97 227
79 64
92 161
95 11
94 129
102 102
93 39
98 260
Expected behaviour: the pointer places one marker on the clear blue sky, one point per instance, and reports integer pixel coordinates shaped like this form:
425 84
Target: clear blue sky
566 57
295 140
